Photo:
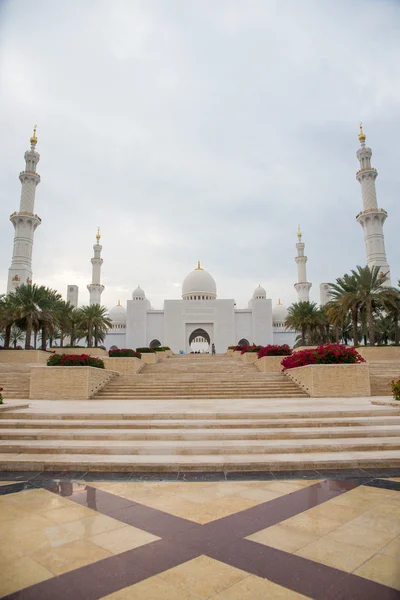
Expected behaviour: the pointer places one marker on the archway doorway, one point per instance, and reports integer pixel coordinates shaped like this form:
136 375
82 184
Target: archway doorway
199 341
155 344
243 342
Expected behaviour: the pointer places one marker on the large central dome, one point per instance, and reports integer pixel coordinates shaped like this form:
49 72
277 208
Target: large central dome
199 285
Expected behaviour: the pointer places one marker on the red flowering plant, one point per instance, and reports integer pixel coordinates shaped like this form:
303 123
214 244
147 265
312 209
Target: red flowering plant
124 353
396 389
275 350
252 348
74 360
326 354
1 395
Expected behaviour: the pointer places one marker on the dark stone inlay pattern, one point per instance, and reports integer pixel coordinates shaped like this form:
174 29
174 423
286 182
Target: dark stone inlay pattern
221 539
384 484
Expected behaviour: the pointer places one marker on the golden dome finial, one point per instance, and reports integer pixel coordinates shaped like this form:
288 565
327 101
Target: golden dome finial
198 266
299 233
119 303
98 235
362 136
279 302
33 139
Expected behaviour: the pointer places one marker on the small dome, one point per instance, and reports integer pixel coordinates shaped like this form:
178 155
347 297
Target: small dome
138 294
259 293
279 313
118 314
199 283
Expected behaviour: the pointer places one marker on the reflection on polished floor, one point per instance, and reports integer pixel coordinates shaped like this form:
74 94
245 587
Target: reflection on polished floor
252 537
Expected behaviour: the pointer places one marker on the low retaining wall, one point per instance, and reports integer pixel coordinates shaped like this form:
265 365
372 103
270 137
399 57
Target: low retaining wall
97 352
150 357
270 364
67 383
377 353
249 357
229 352
24 356
125 365
237 353
333 381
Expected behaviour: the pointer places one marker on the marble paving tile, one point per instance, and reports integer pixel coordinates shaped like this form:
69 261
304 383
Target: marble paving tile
257 588
314 524
95 525
358 536
203 576
123 539
283 538
392 549
153 588
70 556
336 554
69 514
383 569
19 574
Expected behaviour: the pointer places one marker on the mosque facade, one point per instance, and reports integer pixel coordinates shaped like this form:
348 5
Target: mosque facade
199 314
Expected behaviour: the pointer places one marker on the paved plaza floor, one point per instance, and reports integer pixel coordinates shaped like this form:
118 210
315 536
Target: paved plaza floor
187 536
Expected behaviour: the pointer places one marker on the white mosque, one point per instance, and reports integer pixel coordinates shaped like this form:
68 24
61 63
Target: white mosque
199 317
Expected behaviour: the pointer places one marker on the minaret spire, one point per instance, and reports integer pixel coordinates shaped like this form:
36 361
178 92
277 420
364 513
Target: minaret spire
25 221
95 288
302 286
371 218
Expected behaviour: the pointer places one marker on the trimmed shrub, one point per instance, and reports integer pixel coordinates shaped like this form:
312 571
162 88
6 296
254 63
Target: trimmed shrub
74 360
328 354
124 353
161 348
252 348
396 389
145 350
275 350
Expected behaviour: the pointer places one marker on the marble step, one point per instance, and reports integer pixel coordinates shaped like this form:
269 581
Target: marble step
201 433
199 396
344 423
165 462
200 447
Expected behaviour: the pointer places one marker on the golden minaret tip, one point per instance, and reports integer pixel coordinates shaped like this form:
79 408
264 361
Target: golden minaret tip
33 139
198 266
362 137
298 232
98 235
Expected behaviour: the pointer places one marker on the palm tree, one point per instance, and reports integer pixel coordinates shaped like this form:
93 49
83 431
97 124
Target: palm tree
64 313
373 294
17 335
304 316
95 322
7 318
345 293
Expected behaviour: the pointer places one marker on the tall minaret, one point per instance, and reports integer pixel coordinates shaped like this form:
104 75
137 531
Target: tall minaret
95 288
25 221
371 218
302 286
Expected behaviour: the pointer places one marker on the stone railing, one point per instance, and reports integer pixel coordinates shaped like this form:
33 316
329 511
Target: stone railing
126 365
377 353
97 352
24 356
270 364
67 383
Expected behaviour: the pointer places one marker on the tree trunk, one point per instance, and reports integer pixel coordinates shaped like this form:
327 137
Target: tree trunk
354 319
96 340
90 336
337 334
61 338
303 335
72 342
370 322
44 338
28 332
7 336
396 331
309 336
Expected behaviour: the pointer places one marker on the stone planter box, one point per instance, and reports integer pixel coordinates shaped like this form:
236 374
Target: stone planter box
304 348
249 357
270 364
97 352
333 381
237 353
150 358
169 353
24 356
229 352
162 354
125 365
377 353
67 383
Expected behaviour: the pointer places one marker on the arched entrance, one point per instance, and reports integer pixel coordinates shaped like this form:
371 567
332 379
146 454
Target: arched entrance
243 342
199 341
155 344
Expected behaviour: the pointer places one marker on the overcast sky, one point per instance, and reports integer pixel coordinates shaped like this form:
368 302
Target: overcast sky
198 129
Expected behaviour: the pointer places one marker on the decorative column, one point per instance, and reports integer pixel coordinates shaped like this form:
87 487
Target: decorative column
302 286
95 288
371 218
25 221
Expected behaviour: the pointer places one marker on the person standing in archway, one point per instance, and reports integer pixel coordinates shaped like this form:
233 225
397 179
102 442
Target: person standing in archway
213 348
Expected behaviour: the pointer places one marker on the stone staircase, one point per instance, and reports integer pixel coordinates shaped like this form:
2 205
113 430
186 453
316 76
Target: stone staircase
15 380
202 435
200 376
381 374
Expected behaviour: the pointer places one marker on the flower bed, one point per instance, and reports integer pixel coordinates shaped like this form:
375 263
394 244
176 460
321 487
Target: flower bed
245 349
328 354
124 353
396 389
74 360
161 348
145 350
274 350
1 395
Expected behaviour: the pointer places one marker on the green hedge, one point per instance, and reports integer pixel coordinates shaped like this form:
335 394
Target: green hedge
161 348
75 360
124 353
145 350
